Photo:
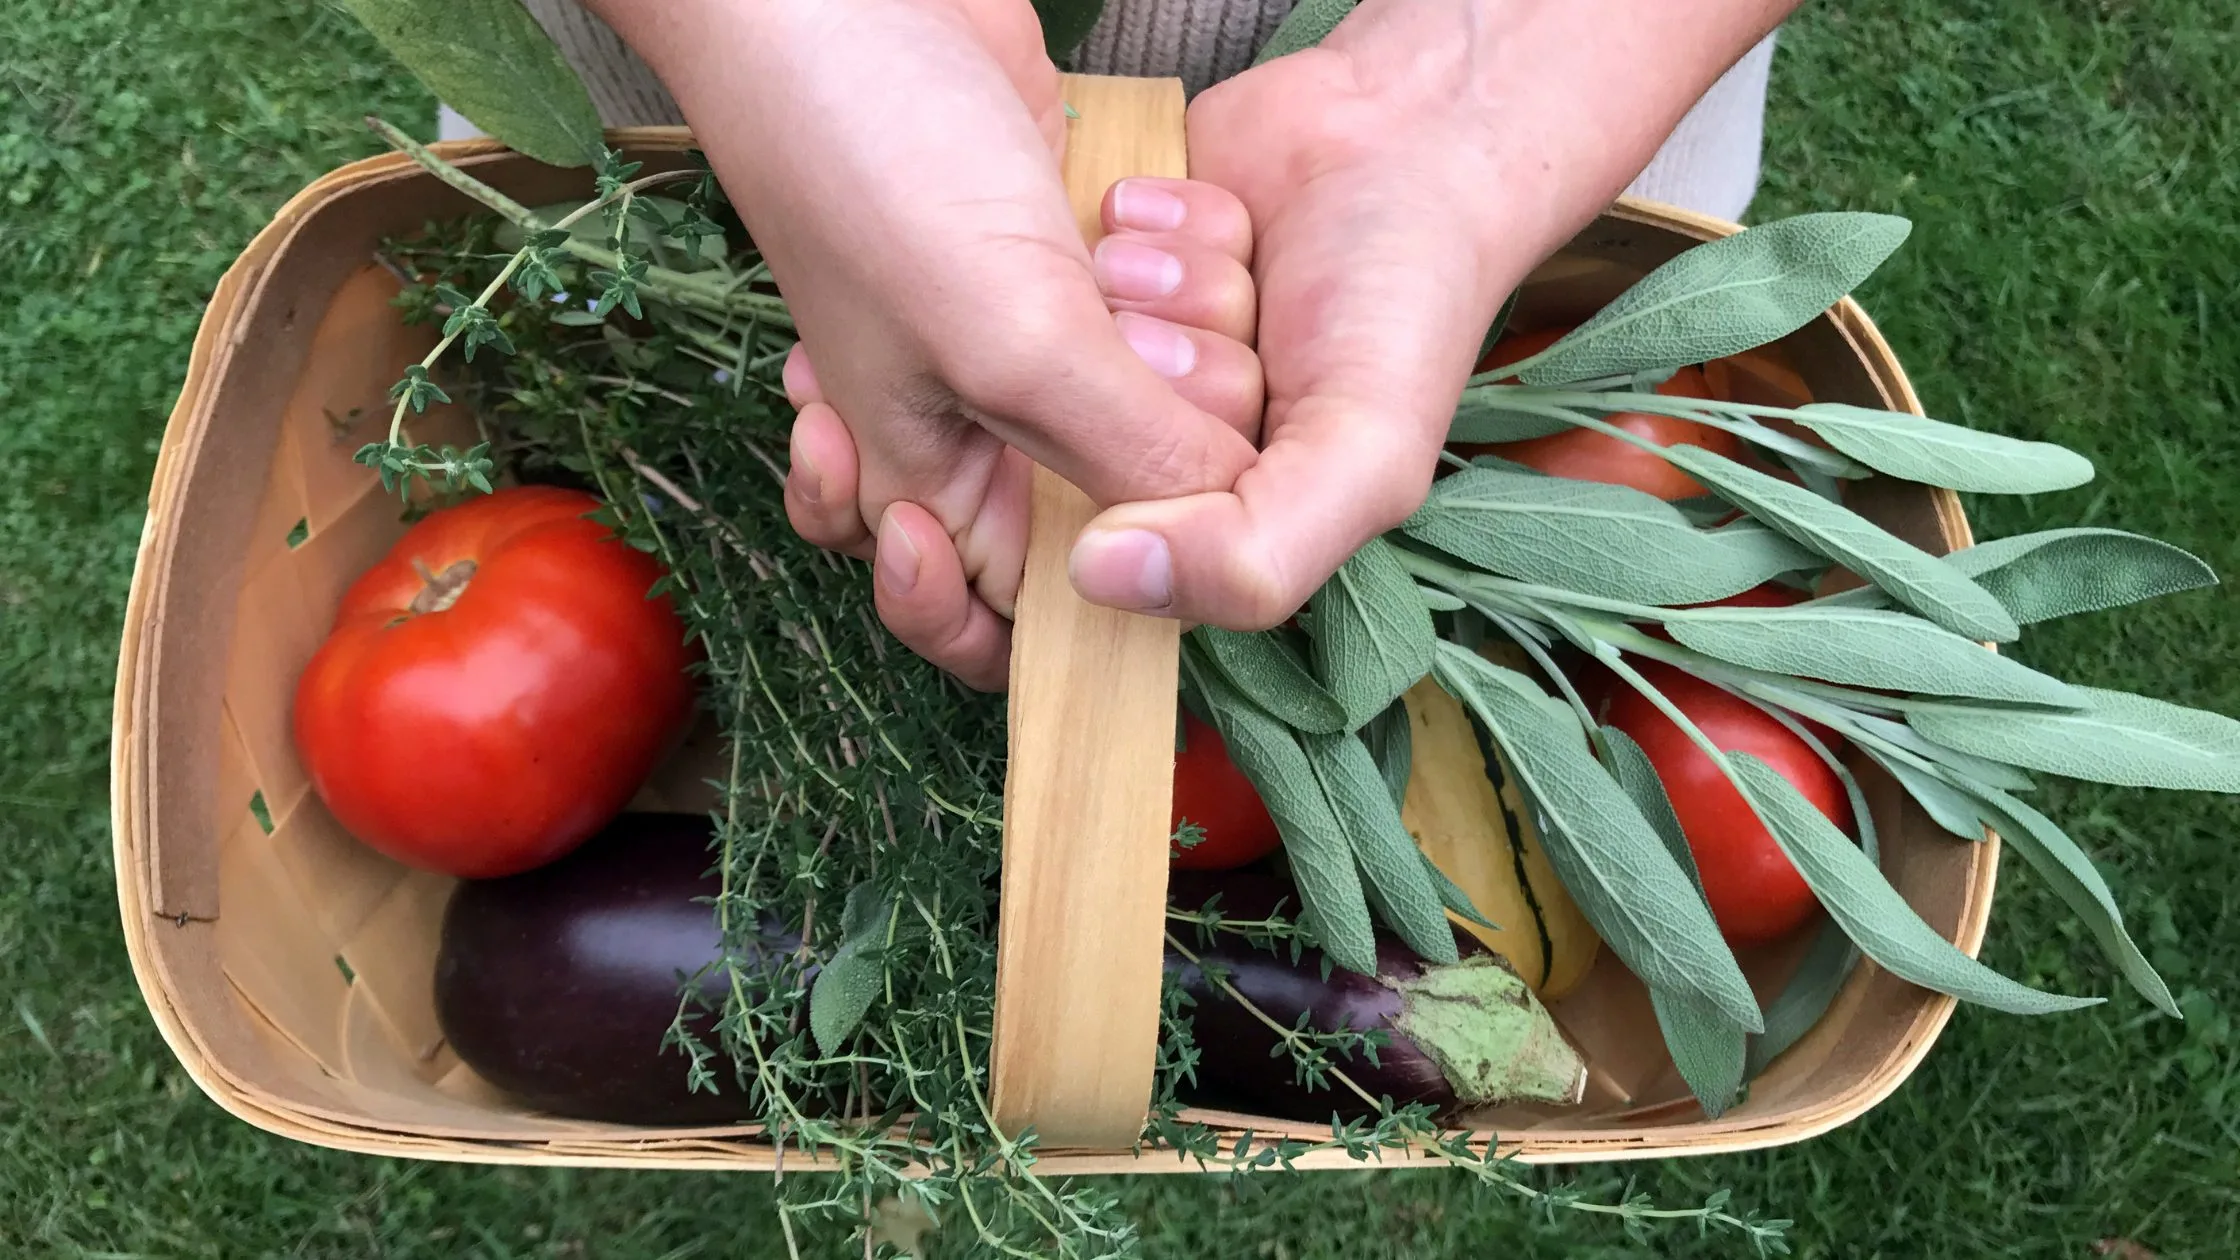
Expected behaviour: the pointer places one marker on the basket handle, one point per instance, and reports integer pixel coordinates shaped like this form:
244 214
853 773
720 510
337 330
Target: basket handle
1088 794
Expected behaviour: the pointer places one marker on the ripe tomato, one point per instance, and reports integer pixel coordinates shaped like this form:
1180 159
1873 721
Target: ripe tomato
1584 455
496 688
1210 791
1756 893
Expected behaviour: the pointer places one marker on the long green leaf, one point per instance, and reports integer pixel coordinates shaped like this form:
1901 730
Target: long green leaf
2135 741
1877 919
1372 634
1391 865
1391 742
1801 1002
1982 770
1725 297
2070 873
1912 576
1610 541
1272 676
1934 453
1322 862
1630 765
1710 1049
490 60
2057 572
1946 805
1865 648
1607 855
1482 415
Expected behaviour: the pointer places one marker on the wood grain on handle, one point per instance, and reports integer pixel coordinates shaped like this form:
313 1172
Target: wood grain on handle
1088 798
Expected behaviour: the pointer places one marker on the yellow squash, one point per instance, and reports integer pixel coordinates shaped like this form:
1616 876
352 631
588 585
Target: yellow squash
1474 827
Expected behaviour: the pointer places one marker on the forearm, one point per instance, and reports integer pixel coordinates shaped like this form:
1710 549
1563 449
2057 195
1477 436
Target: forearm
1563 100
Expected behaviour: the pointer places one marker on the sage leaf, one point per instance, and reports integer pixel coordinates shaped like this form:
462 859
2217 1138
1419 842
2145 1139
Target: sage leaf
2067 869
1800 1004
1271 675
1912 576
1946 805
1391 865
1630 766
1981 770
1372 635
1710 1049
1065 23
848 982
1391 742
1439 601
1452 896
1865 648
1872 913
2134 741
1725 297
2057 572
490 60
1606 854
1916 448
1483 416
1322 863
1611 541
1309 22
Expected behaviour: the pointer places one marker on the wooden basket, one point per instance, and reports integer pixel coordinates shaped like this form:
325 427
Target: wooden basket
290 968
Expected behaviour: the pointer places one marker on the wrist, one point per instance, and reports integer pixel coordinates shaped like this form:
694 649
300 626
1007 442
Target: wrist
1548 107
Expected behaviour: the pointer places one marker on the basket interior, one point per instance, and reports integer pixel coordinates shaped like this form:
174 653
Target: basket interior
292 966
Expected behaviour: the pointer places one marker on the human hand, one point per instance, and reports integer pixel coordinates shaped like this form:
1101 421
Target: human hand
1402 179
1172 267
895 163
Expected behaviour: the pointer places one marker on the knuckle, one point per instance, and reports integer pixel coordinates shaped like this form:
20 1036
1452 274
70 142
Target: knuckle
1006 364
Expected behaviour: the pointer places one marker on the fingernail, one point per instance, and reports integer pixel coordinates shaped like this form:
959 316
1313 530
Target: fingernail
897 556
1160 344
1135 272
1146 207
807 478
1123 568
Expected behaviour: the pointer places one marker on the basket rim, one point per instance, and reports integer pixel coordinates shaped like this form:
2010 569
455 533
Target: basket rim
653 1147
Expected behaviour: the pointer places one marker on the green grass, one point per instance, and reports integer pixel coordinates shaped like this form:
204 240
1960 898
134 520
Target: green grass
2075 275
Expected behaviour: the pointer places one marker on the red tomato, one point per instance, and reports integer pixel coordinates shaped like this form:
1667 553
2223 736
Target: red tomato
1756 894
1584 455
496 688
1210 791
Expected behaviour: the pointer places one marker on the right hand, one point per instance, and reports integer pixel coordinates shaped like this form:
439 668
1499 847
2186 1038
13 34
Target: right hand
895 161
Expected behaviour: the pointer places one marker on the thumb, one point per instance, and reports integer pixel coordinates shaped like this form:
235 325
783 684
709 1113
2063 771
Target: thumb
1368 333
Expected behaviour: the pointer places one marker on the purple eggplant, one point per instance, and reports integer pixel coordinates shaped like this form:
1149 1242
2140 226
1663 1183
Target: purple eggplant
1464 1035
558 985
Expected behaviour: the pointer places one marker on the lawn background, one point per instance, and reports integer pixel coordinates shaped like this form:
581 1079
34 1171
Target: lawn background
2074 275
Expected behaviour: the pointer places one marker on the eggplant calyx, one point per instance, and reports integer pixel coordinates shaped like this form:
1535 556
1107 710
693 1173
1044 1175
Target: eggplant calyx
1489 1035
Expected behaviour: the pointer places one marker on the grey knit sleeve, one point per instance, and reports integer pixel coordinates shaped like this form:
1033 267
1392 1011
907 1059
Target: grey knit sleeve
1710 164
